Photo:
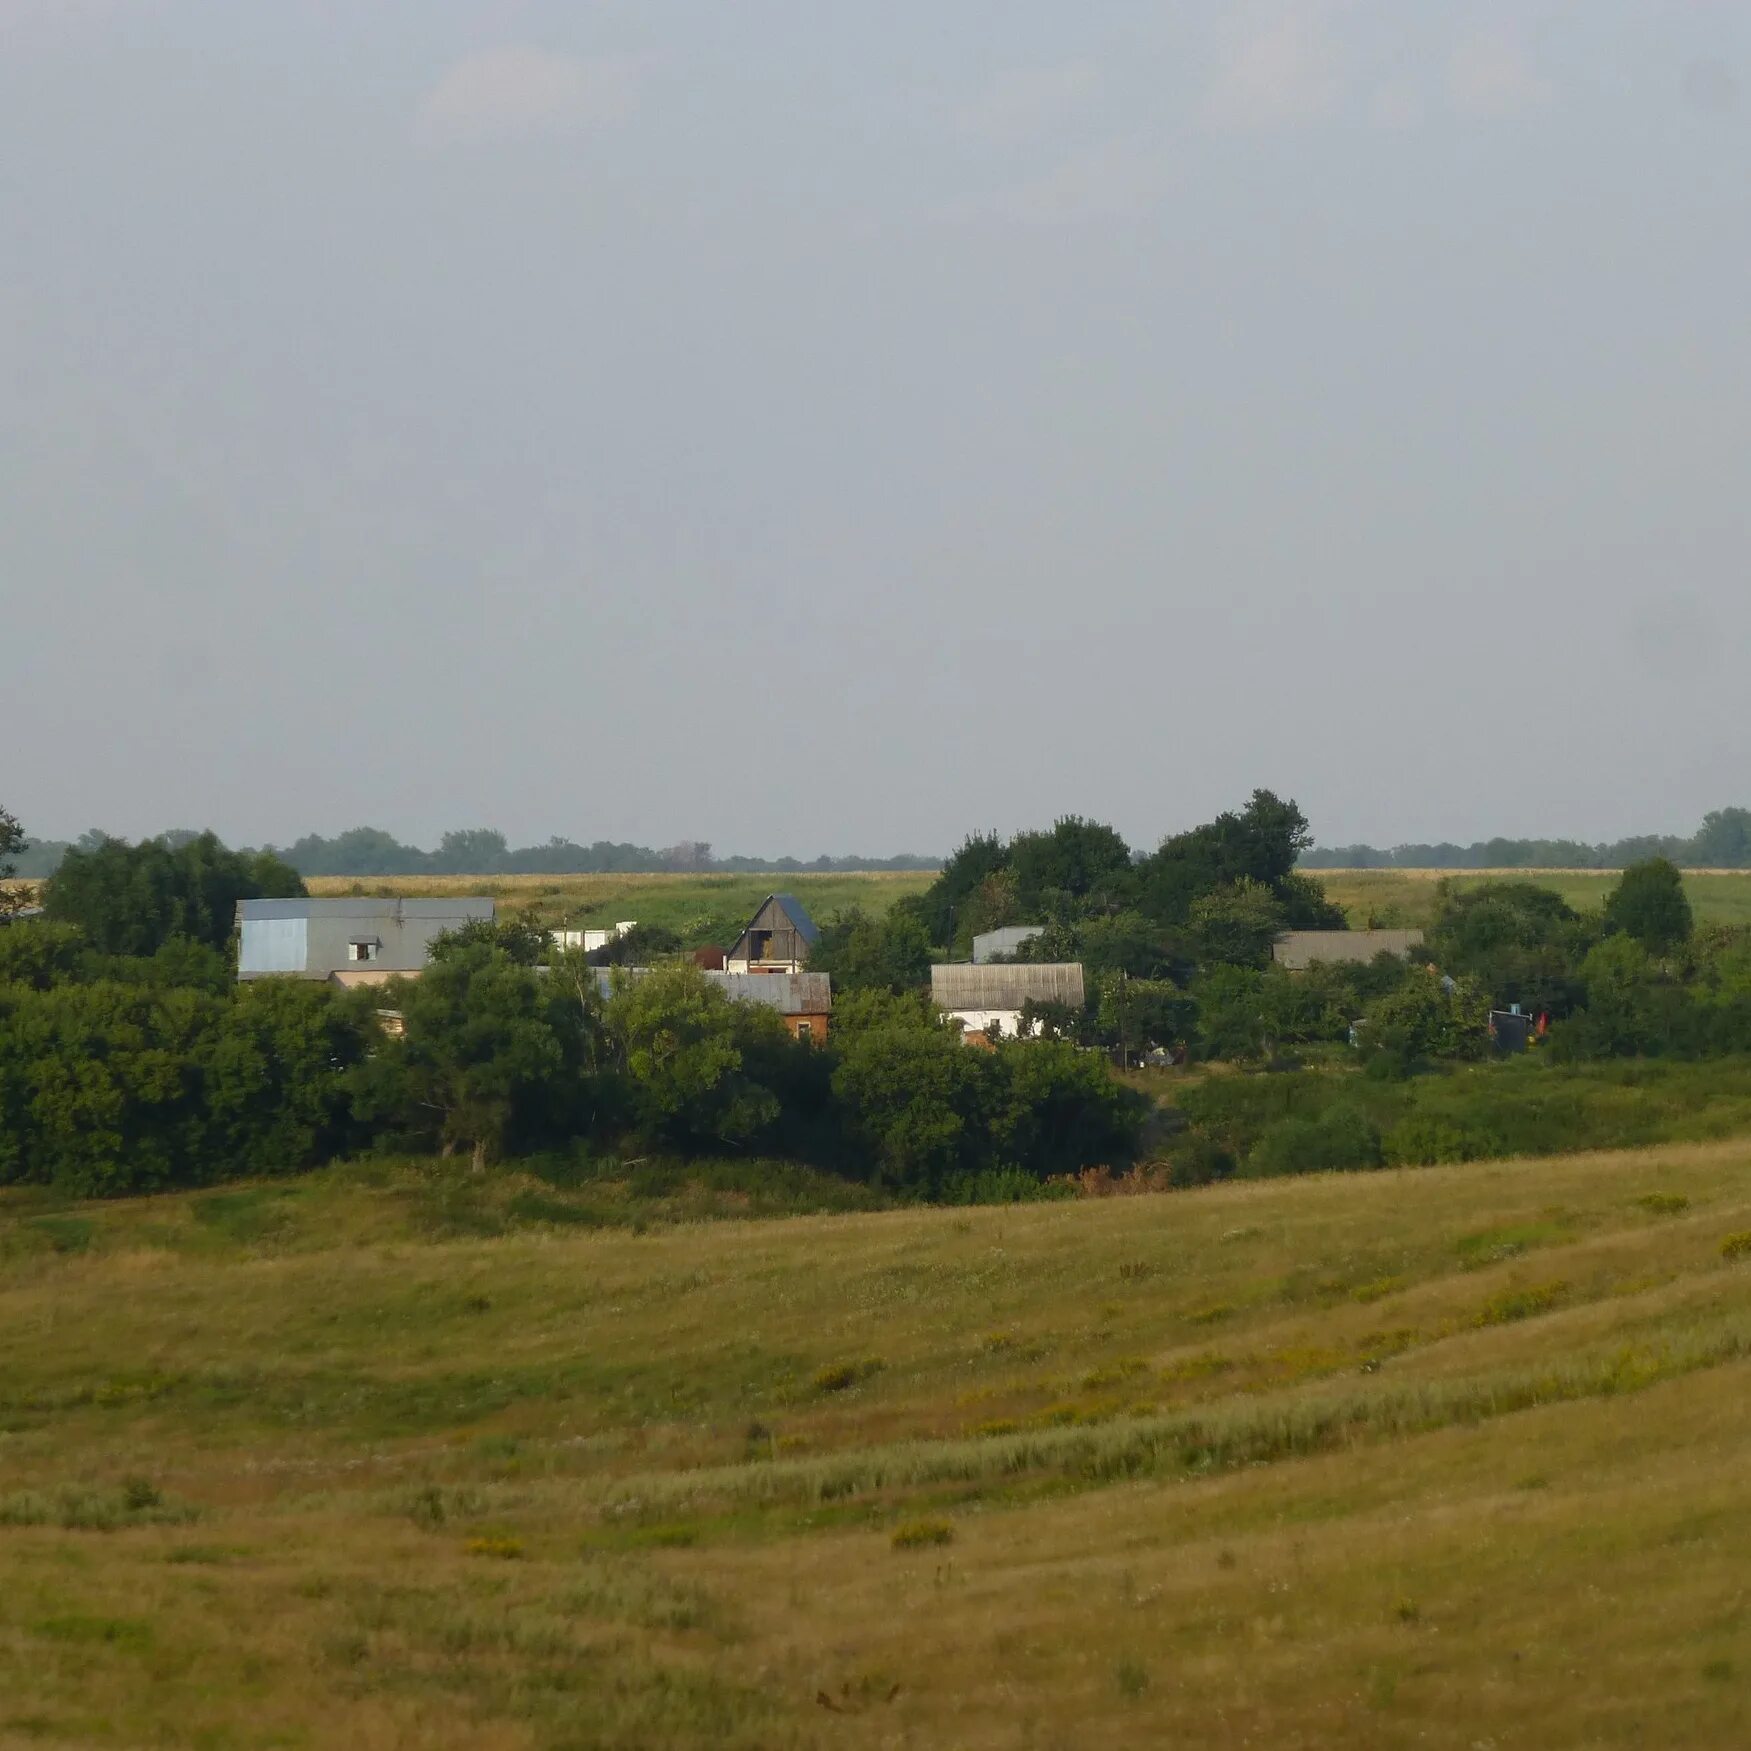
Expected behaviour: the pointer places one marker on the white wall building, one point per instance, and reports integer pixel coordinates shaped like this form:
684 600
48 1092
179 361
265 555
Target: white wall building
978 996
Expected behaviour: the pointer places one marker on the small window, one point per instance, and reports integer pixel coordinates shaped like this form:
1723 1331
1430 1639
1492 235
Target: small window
361 951
805 1030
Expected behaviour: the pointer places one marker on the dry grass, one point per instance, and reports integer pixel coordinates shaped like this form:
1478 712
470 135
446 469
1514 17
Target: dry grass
1355 1460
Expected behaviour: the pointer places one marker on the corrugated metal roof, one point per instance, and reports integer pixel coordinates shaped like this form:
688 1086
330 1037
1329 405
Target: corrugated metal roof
788 993
961 986
1299 949
989 944
367 908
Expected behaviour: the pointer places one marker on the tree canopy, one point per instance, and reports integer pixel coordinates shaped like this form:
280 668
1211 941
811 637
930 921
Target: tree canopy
1649 904
132 899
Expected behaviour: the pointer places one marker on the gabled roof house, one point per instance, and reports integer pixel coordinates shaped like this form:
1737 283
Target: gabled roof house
777 938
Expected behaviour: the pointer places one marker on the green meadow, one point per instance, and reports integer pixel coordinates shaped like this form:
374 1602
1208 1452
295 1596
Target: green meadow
398 1455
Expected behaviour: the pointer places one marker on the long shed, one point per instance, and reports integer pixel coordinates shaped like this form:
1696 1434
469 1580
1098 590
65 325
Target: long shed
981 998
1299 949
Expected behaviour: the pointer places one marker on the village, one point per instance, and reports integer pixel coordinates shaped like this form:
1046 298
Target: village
994 995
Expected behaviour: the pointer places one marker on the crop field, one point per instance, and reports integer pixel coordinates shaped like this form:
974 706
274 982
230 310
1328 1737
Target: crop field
411 1457
1406 897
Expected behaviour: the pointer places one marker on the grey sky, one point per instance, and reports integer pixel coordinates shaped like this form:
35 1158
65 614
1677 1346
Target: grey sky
814 426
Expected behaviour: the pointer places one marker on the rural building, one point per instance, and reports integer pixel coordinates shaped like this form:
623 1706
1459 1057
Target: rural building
777 940
590 941
805 1000
1299 949
1004 944
977 997
317 939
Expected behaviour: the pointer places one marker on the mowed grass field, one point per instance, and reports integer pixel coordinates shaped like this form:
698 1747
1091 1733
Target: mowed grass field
384 1457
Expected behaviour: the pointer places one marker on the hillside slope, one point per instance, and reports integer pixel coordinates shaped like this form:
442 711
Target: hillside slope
1446 1457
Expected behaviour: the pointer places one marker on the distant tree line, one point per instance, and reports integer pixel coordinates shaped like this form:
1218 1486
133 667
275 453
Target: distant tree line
369 851
1723 841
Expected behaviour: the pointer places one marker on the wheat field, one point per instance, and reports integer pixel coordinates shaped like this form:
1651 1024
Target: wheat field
406 1457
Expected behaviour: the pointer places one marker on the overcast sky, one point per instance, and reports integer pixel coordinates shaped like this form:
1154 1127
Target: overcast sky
816 426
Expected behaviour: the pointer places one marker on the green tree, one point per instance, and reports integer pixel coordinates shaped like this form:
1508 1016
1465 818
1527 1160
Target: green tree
863 953
910 1092
1521 942
942 908
1260 843
1723 841
1236 923
12 842
1425 1019
1649 904
681 1044
490 1059
131 899
1076 868
1053 1109
524 942
470 851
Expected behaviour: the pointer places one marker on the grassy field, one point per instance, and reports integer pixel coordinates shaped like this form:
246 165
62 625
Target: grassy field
1406 897
682 902
1388 896
388 1458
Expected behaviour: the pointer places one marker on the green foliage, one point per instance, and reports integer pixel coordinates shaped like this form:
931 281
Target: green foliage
108 1088
490 1059
1341 1137
520 940
1425 1020
682 1045
861 953
38 953
1235 924
1078 867
912 1096
1259 844
12 843
132 899
1520 942
1723 841
1649 905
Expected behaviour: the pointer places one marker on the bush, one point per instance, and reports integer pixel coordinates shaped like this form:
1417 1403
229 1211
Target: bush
1342 1138
922 1534
1424 1140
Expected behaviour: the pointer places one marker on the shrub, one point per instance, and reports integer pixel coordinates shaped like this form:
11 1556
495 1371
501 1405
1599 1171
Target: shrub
921 1534
842 1376
496 1545
1423 1140
1737 1246
1343 1137
1664 1203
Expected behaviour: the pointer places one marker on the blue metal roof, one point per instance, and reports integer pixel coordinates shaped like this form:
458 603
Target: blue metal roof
798 914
